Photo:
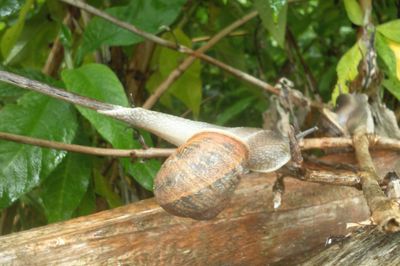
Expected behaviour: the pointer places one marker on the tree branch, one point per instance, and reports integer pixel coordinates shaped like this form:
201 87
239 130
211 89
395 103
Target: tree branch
384 211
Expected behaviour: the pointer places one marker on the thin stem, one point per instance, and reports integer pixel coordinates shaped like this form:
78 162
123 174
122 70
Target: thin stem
136 153
174 75
238 33
56 55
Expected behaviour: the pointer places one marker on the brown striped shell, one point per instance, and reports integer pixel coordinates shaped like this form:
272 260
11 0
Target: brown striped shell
197 181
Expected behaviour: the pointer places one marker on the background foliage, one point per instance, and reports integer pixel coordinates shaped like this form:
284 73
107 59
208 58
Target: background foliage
311 42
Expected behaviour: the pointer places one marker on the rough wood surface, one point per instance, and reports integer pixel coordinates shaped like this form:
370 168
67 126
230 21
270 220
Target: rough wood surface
249 232
367 246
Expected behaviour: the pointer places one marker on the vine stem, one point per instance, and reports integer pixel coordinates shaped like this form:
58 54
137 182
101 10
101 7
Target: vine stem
176 73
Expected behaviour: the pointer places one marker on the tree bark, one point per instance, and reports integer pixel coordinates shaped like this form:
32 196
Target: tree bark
248 232
367 246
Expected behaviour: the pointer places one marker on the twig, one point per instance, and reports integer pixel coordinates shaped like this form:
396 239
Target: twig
241 75
384 211
43 88
325 143
172 45
174 75
138 71
238 33
56 55
305 144
307 71
138 153
342 178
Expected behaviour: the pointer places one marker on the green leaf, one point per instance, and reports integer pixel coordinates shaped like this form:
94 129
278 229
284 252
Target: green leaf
391 30
276 6
99 82
11 36
56 9
143 170
147 15
229 53
234 110
354 12
275 24
104 189
395 47
188 87
88 203
66 36
392 85
63 190
347 69
32 47
10 7
387 55
22 167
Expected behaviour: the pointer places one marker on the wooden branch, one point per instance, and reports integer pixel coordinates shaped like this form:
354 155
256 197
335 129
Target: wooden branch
384 211
176 73
249 232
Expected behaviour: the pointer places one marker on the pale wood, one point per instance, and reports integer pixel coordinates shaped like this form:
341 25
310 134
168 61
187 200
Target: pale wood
248 232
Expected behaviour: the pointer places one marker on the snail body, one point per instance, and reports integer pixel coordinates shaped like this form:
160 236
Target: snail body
198 179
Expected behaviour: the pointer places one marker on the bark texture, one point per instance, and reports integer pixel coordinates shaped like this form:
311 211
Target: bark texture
248 232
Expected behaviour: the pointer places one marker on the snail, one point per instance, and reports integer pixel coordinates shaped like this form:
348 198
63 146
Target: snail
198 180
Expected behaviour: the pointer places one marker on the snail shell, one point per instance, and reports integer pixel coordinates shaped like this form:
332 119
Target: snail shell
198 179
